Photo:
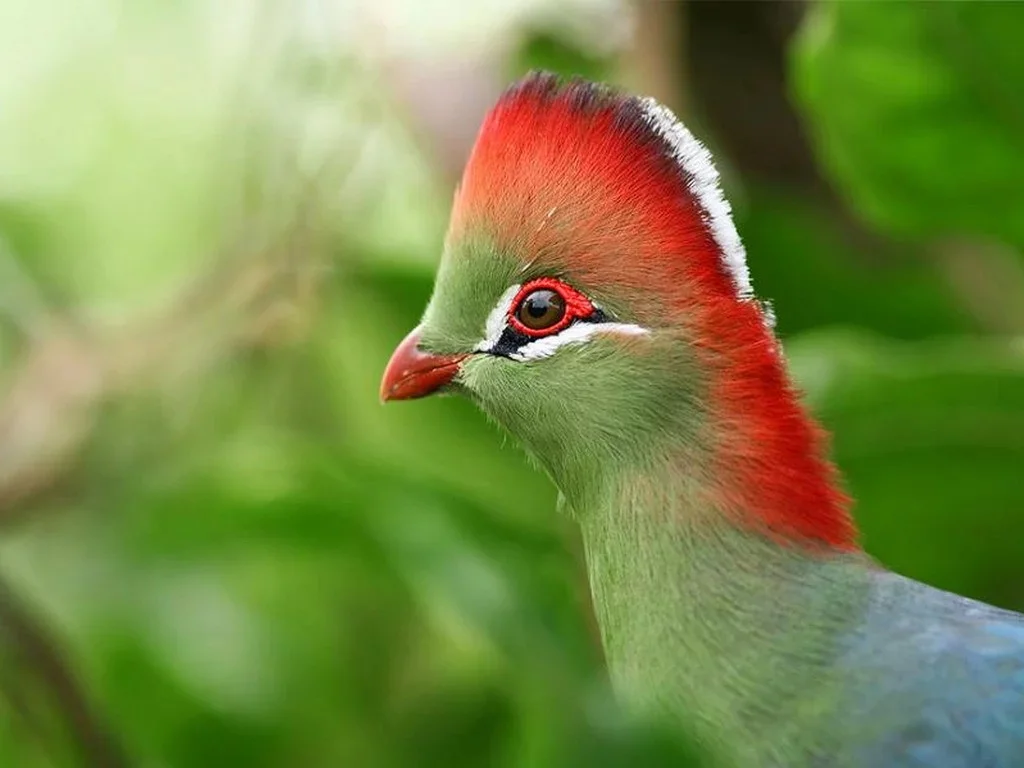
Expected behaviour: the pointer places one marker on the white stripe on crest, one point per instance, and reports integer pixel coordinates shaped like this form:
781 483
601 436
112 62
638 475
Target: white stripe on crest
703 182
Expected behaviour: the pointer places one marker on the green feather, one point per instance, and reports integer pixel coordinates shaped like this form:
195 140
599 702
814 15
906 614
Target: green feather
713 627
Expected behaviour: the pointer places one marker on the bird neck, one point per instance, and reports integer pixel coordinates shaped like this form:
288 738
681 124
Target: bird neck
724 567
766 457
726 630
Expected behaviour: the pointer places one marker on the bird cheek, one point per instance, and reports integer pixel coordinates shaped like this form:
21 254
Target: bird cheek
481 374
492 383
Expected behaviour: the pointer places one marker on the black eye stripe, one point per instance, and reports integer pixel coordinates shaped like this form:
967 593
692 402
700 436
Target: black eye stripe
509 342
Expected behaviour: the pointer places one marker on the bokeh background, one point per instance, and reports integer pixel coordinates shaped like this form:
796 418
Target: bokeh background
218 218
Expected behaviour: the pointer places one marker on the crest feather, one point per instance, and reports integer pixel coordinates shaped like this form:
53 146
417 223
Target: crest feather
577 129
614 192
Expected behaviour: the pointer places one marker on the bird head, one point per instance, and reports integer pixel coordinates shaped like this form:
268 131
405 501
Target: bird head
593 295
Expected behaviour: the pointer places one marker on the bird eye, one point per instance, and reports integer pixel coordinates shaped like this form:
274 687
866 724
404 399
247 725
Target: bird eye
541 310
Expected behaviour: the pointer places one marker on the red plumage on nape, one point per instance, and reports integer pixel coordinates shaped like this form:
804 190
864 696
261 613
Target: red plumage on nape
616 193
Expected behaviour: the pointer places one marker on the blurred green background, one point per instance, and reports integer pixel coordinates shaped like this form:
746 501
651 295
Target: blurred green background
217 220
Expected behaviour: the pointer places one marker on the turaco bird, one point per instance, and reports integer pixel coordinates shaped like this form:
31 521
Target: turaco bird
593 299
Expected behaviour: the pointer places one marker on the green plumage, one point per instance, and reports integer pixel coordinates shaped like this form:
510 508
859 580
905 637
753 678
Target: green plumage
731 597
718 629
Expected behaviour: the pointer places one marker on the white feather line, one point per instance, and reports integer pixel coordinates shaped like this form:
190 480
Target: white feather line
577 333
496 320
538 349
703 182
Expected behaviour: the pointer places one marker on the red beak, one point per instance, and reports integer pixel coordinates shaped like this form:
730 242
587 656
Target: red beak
413 373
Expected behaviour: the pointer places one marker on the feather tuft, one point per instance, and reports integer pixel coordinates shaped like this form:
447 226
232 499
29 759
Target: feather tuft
611 192
540 114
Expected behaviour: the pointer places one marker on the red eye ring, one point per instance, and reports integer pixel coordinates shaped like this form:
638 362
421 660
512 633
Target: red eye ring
576 306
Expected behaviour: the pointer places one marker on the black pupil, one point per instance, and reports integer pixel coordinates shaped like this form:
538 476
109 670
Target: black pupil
541 309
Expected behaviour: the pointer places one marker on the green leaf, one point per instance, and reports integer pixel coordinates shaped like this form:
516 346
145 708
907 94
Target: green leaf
916 111
930 437
815 275
549 52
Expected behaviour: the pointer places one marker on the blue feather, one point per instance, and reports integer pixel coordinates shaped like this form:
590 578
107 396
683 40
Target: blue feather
940 677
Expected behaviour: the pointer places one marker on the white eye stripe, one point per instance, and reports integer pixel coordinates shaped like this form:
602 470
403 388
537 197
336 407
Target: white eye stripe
537 349
578 333
497 320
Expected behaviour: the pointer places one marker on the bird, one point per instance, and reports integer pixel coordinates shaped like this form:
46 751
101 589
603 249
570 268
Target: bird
593 299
